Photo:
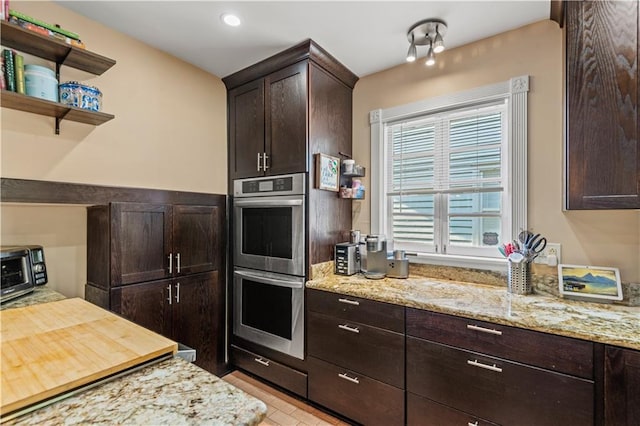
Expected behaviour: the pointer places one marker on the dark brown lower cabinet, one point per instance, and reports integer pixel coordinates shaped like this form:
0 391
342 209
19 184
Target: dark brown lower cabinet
622 387
186 310
373 351
424 412
495 389
355 396
275 372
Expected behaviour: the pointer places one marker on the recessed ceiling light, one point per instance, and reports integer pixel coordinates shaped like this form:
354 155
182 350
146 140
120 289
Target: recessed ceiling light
230 19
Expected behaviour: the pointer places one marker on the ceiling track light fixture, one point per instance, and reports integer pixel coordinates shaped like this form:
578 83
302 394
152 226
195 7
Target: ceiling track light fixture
429 32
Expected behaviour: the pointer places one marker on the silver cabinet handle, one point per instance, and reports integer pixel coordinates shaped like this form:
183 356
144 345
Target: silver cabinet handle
265 165
349 302
473 424
177 292
351 329
259 161
178 262
493 367
169 298
262 361
345 376
484 330
170 263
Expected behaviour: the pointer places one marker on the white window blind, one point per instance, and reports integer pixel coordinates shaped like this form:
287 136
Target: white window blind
445 181
449 174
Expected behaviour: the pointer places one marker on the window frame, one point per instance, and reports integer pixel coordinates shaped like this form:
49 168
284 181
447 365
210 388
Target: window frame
513 93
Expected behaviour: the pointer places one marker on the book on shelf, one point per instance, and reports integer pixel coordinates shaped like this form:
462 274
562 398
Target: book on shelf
4 9
9 70
19 72
46 25
45 32
3 80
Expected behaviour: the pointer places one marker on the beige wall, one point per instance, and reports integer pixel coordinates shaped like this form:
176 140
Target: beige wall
169 132
602 238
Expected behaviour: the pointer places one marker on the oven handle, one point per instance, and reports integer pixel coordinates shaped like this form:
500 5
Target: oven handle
267 203
267 280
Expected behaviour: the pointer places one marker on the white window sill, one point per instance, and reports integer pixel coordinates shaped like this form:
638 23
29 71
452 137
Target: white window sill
486 263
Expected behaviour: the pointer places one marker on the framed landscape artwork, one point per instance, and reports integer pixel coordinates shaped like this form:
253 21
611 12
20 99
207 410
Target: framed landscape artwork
589 282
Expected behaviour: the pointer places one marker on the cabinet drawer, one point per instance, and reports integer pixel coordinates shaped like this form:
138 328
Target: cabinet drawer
364 311
355 396
279 374
368 350
557 353
424 412
498 390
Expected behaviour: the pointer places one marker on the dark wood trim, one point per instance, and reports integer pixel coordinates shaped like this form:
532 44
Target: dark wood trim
38 191
598 374
556 13
308 49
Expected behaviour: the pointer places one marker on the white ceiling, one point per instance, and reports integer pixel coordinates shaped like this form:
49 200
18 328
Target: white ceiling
366 36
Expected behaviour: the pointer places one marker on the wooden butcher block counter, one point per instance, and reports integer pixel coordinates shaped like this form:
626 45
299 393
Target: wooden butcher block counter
51 348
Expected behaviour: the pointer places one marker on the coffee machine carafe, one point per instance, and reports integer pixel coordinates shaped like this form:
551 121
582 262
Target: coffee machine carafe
376 256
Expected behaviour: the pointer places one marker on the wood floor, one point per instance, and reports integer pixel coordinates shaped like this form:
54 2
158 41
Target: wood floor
282 409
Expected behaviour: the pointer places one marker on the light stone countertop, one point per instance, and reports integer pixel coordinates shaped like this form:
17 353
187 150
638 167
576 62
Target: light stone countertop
40 294
173 392
604 323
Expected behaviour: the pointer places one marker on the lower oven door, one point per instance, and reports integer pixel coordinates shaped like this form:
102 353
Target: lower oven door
269 311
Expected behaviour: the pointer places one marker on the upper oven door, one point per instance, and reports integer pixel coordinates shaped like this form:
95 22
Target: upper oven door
269 234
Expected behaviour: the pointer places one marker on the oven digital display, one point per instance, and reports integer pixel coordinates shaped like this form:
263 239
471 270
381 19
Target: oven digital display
265 185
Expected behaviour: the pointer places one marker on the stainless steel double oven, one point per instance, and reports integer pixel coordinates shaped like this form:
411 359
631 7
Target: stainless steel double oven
269 262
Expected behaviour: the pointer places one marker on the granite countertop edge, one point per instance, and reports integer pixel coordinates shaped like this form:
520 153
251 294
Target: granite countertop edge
172 391
601 323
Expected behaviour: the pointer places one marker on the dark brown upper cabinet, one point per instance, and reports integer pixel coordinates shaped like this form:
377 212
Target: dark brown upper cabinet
274 121
267 124
144 242
602 140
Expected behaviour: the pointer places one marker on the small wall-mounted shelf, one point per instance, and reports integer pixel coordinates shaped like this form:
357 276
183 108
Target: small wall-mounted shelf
39 106
358 171
347 189
15 37
53 50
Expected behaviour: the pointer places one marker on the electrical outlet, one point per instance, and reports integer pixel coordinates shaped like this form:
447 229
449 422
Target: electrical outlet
550 249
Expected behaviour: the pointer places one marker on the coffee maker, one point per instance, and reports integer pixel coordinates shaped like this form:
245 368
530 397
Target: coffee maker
376 256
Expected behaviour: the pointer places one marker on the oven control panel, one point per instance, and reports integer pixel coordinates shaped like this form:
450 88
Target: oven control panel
267 185
276 185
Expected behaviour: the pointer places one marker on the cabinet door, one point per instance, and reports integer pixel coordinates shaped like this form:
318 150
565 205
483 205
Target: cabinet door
603 148
198 317
497 390
140 242
368 350
246 129
622 387
145 304
286 120
197 237
358 397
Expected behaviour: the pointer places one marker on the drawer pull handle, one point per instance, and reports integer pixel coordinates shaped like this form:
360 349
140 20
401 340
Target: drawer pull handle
493 367
473 424
484 330
262 361
349 302
349 378
351 329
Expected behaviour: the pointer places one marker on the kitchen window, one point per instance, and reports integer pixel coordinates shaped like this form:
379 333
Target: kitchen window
449 174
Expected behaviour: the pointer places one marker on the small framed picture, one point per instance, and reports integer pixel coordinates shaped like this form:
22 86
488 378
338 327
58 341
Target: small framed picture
327 172
590 283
